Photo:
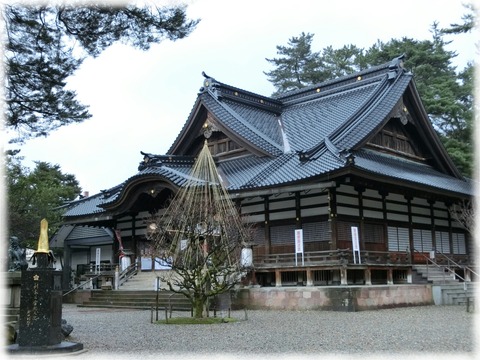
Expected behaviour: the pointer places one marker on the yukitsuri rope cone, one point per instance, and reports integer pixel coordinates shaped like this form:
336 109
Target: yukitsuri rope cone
200 236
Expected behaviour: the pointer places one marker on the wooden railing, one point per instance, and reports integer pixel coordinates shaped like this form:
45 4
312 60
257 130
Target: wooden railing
384 257
96 269
331 257
327 257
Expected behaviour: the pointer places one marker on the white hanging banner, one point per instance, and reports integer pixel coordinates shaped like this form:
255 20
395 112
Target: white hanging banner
97 260
355 245
299 245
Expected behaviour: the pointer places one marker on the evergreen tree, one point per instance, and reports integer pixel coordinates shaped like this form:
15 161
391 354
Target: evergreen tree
469 22
34 195
446 94
343 61
298 67
40 55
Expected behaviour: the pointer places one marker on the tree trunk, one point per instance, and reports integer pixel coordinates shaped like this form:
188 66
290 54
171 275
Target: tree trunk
198 306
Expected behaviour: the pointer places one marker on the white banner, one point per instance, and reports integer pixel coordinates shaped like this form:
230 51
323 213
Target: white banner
97 260
299 245
355 245
298 241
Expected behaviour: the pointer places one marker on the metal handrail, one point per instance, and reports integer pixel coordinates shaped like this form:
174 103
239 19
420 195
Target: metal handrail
455 263
126 274
81 284
438 265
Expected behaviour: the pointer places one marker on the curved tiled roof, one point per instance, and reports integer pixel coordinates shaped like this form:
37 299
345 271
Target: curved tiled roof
242 127
307 124
89 206
410 171
324 125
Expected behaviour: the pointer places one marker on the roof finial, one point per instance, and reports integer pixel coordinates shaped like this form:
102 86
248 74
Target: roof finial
397 62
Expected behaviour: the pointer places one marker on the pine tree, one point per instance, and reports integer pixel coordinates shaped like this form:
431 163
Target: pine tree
41 53
446 94
34 195
298 66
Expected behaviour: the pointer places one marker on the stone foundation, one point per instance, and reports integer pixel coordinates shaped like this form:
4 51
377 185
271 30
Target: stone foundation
336 298
77 297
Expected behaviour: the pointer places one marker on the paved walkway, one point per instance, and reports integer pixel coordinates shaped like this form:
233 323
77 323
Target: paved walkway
439 332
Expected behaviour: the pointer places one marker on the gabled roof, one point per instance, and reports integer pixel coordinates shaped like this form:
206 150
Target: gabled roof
302 136
249 119
82 235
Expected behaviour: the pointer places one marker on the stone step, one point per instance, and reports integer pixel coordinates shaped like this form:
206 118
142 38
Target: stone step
434 274
134 299
453 294
143 280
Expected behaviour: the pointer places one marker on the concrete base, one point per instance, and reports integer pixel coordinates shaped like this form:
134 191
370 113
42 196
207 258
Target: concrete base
61 348
335 298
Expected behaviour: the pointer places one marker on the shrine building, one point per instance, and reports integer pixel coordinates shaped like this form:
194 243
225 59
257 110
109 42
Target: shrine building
353 162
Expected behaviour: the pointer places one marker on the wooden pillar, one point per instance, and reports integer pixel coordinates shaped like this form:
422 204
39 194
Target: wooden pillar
409 276
432 224
134 239
332 215
343 276
278 278
390 277
298 213
450 230
410 227
368 276
361 231
268 242
309 277
384 195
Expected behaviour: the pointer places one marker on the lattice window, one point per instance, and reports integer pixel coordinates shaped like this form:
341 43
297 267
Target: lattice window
316 231
442 241
259 236
282 235
344 230
422 240
458 244
373 233
398 239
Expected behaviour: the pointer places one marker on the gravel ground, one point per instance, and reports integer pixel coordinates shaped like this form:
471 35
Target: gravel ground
433 331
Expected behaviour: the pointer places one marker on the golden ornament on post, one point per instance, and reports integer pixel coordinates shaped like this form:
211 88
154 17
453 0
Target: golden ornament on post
43 255
43 238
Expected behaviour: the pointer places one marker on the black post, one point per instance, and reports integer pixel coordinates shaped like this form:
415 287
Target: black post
40 321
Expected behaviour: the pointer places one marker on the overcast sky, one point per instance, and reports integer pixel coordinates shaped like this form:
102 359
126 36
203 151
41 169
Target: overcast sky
140 100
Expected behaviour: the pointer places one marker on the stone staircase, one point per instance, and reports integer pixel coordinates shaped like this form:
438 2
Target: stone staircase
433 275
138 292
143 280
446 289
138 299
454 294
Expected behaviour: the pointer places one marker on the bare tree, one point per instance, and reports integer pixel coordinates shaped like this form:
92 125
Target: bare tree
464 213
200 236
